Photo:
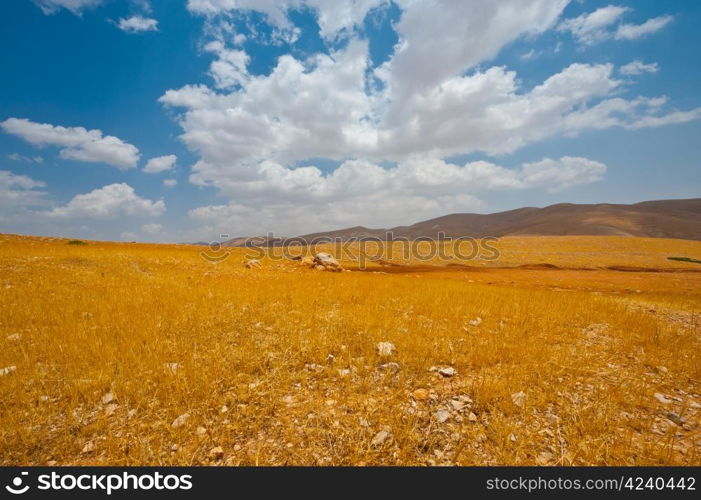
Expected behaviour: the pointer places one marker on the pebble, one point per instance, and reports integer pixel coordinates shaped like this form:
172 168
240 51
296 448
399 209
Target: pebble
216 453
389 367
519 398
180 421
448 371
381 438
442 416
108 398
476 322
386 349
472 417
662 398
201 431
110 409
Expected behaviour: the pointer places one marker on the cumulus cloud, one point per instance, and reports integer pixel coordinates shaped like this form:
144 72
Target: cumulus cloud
137 24
109 202
334 18
77 143
170 183
285 200
638 67
593 27
75 6
160 164
19 192
435 97
635 31
596 26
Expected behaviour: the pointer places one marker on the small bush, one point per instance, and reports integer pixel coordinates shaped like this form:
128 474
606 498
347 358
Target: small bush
76 242
685 259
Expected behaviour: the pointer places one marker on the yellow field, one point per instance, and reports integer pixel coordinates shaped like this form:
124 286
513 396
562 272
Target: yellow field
129 354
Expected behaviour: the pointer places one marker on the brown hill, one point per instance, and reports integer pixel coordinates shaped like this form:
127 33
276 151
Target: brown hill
655 219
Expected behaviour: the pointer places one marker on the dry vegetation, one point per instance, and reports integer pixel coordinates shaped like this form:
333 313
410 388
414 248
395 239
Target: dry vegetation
147 354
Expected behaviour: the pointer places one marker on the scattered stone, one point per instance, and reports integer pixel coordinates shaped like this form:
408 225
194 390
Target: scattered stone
327 261
51 463
224 409
88 448
252 264
172 367
330 359
442 416
237 447
544 458
14 337
472 417
131 413
662 398
448 371
663 370
381 438
476 322
457 404
694 404
676 418
385 349
421 394
288 400
108 398
180 421
216 453
390 368
313 367
110 409
201 431
7 370
308 261
343 372
519 398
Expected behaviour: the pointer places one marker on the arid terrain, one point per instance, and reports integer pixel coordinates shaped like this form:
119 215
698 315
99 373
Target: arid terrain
564 350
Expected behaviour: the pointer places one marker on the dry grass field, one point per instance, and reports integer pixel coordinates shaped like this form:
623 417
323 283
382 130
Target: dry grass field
131 354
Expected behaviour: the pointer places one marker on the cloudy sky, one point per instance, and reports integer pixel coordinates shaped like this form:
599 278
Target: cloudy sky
180 120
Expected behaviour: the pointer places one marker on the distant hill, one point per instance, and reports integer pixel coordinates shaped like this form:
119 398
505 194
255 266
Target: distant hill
653 219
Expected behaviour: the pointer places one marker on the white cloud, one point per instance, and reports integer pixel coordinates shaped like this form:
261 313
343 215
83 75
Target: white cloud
638 67
19 192
152 228
436 97
77 143
75 6
334 18
137 24
109 202
128 236
170 183
635 31
593 27
292 201
160 164
27 159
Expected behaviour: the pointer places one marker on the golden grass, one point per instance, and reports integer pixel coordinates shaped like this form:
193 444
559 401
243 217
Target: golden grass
279 366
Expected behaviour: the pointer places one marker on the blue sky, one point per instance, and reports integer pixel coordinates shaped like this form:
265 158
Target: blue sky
180 120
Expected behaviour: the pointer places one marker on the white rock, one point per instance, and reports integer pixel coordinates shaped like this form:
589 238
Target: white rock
180 421
14 337
108 398
518 398
7 370
385 349
172 367
252 264
201 431
327 260
662 398
381 438
448 371
110 409
389 367
472 417
476 322
442 416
